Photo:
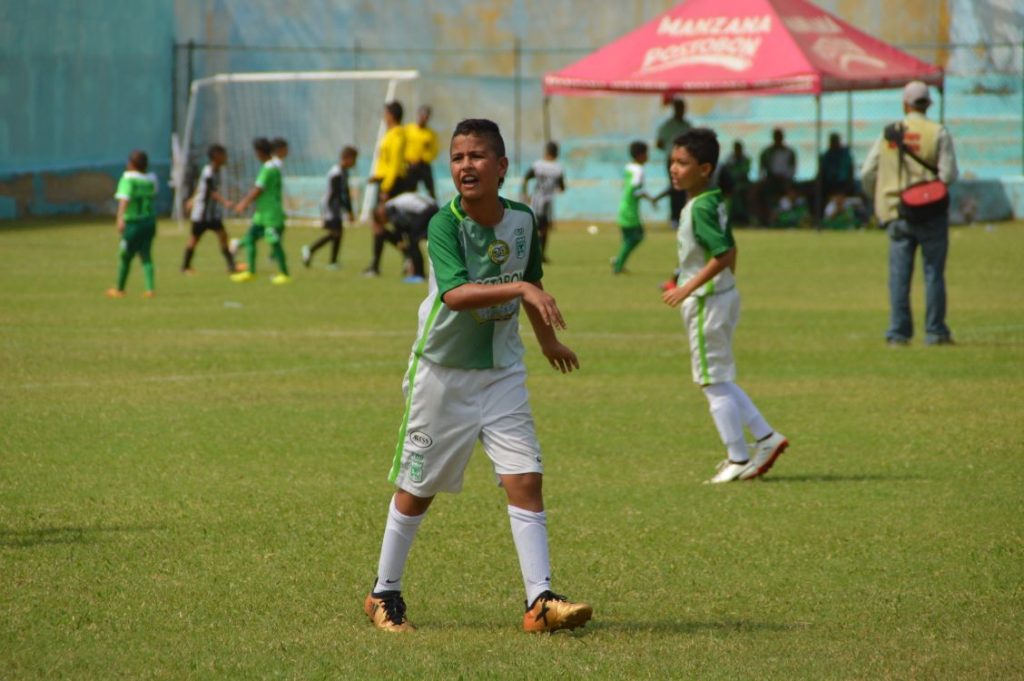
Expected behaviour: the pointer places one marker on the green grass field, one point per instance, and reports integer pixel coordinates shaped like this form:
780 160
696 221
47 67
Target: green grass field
194 486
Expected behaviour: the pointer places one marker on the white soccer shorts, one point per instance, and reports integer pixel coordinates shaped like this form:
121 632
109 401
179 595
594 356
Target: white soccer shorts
447 410
710 322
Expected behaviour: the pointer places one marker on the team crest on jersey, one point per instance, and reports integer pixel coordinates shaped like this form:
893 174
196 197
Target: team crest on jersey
498 251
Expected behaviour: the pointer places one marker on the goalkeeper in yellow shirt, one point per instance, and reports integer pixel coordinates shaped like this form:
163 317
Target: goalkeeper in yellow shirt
390 174
420 151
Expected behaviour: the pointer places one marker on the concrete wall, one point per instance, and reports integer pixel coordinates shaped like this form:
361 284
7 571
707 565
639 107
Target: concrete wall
86 81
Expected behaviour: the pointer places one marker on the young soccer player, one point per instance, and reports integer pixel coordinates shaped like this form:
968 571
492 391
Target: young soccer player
711 307
550 179
268 220
336 201
466 379
629 205
205 209
410 214
136 221
390 174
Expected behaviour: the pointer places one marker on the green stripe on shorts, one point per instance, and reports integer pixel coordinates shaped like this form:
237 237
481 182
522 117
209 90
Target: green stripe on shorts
702 345
396 464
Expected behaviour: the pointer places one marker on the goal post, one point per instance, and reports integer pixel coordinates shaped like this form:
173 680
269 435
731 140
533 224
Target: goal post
318 112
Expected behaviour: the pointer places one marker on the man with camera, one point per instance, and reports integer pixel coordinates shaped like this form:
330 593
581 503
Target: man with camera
907 172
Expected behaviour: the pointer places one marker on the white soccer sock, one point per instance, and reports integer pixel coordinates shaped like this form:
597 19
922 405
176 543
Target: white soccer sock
530 533
398 535
726 413
759 428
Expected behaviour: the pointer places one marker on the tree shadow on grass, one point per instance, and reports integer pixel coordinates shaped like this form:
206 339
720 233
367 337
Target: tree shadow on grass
65 534
832 477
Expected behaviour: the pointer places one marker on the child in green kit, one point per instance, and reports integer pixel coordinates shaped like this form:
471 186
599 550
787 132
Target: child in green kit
629 205
136 221
268 220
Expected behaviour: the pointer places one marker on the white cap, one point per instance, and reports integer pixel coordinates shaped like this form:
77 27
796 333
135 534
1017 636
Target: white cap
915 91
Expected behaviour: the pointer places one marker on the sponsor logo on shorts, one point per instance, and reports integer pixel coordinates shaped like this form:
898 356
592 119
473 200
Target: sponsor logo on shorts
498 251
420 439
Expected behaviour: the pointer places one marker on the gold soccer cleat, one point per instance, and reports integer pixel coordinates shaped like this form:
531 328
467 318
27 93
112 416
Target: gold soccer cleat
387 611
242 276
551 612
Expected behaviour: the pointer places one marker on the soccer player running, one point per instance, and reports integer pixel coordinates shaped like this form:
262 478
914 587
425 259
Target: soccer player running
466 379
205 209
711 308
550 179
268 220
630 226
136 222
336 201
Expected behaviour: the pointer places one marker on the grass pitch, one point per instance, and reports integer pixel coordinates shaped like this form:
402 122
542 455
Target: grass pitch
194 486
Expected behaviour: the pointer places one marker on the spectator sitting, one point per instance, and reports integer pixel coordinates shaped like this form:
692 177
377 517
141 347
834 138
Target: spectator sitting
791 209
844 212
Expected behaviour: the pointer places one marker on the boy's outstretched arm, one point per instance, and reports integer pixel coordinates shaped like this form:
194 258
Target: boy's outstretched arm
248 198
714 265
559 355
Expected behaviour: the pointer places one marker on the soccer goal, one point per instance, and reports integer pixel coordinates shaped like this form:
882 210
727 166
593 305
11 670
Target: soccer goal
318 112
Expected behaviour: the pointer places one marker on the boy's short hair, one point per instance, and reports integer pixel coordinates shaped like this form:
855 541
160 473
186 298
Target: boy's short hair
701 143
139 160
214 150
279 143
482 127
551 149
396 111
637 148
262 145
349 151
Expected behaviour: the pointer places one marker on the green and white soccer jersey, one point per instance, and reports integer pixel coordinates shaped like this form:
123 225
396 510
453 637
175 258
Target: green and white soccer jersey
140 191
713 311
632 187
270 203
703 234
462 251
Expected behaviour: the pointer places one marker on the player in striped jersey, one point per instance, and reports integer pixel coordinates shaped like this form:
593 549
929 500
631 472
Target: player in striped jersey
466 379
205 209
336 201
550 179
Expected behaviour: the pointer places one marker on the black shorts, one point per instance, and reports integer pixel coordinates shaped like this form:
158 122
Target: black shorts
333 225
213 225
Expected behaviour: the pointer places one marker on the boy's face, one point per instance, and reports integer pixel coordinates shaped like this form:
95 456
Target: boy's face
348 160
641 158
219 159
686 172
281 153
476 169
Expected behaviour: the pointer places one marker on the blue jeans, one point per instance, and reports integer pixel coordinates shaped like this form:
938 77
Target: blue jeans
904 238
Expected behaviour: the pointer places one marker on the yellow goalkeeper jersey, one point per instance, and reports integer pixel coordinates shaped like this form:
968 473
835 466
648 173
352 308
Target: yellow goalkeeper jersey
420 144
391 159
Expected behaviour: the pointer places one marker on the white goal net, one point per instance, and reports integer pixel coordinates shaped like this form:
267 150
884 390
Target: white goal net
318 112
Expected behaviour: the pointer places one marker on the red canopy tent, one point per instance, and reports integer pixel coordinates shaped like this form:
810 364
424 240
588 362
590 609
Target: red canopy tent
752 46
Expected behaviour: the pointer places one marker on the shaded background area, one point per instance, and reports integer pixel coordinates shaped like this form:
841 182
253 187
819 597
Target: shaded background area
86 82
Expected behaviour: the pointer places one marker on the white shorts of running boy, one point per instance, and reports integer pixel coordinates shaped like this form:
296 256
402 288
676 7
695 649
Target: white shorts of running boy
710 322
447 411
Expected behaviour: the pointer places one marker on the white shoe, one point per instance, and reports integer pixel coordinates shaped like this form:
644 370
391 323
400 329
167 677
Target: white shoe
763 455
307 256
729 471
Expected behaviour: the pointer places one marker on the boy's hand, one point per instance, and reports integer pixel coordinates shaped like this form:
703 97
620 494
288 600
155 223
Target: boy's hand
544 303
673 296
561 357
120 226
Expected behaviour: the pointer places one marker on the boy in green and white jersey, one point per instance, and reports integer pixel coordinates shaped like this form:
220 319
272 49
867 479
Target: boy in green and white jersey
136 221
629 205
466 379
711 307
268 219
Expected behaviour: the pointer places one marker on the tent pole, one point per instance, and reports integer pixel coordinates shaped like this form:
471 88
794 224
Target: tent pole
817 153
849 119
547 118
